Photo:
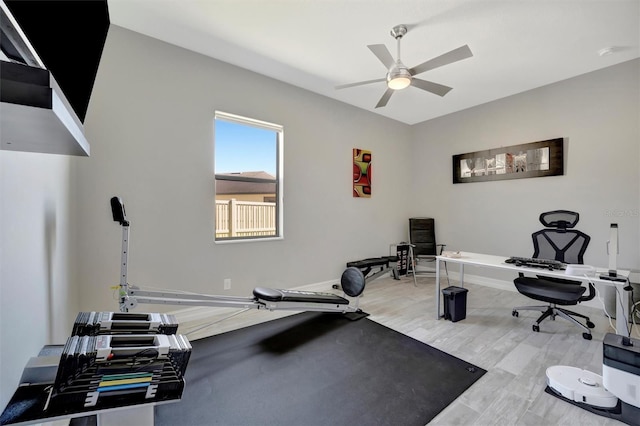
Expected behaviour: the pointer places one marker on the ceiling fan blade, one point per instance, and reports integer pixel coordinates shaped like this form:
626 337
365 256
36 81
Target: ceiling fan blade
360 83
382 53
385 98
453 56
430 86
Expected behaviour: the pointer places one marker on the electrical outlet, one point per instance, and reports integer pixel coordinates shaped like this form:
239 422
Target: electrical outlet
227 283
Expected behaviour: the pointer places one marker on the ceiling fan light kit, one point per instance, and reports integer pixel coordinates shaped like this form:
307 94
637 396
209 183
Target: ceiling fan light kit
400 76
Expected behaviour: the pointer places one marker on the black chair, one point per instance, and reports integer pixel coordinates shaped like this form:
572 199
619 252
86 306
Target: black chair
423 247
557 242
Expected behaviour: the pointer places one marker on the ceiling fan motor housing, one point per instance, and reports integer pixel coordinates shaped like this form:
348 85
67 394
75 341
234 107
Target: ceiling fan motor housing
398 31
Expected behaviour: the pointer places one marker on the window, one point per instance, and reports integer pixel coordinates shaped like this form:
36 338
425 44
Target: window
248 178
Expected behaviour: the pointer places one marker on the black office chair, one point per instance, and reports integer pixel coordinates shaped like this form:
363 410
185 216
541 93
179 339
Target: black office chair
423 247
557 242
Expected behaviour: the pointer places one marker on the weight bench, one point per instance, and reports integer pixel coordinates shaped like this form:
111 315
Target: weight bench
374 268
369 265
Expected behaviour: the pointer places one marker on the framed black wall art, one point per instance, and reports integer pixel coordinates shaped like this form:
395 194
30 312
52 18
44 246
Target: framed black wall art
535 159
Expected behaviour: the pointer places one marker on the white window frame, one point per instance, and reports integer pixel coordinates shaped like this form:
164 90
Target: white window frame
279 180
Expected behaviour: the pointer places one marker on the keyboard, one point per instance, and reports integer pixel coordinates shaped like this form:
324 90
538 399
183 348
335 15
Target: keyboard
537 263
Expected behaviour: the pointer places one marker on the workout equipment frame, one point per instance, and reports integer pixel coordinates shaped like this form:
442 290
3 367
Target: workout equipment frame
352 281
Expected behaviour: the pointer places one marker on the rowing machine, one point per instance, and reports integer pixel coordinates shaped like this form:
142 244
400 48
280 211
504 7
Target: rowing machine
352 282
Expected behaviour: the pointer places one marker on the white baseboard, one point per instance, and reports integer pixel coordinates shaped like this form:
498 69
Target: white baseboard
194 313
199 314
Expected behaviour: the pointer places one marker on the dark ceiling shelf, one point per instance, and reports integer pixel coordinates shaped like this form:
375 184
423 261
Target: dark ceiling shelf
34 114
69 37
52 50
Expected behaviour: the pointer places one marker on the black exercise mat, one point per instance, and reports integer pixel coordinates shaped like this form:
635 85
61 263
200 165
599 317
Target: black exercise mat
316 369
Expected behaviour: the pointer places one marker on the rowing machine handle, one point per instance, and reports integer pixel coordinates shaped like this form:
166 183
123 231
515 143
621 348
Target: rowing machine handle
117 208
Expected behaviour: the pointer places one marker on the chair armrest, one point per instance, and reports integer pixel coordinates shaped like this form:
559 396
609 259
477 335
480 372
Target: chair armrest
590 295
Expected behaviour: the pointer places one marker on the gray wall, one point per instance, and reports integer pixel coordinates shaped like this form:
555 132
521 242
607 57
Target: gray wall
150 124
38 298
597 114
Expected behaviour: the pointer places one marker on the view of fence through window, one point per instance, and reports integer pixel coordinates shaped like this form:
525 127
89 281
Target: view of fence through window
247 178
245 218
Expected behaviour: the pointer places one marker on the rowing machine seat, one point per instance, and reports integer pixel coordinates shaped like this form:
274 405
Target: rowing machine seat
276 295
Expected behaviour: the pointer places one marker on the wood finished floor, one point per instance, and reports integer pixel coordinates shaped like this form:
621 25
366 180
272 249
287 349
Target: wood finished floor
515 357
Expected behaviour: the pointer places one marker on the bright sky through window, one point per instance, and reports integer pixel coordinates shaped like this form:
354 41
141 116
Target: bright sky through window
242 148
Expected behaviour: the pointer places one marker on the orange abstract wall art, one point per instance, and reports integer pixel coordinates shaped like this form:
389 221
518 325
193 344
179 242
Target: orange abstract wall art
361 173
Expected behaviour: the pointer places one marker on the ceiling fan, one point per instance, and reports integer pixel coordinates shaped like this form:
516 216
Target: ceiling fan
399 76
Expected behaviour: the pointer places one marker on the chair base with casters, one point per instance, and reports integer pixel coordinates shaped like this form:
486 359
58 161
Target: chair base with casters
555 292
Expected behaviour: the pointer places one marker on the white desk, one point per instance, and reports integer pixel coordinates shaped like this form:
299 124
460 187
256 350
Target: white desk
498 262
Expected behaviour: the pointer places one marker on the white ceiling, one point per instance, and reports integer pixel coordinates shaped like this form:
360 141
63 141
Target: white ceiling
517 45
